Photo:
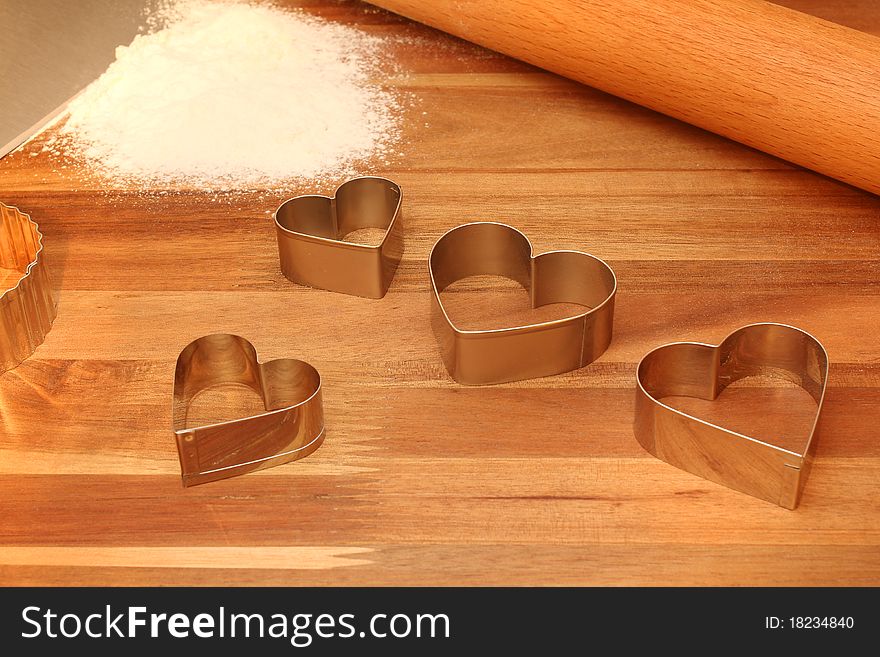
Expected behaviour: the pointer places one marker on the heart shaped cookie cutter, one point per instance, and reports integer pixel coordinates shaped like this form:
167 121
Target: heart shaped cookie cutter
310 230
480 357
694 369
291 428
28 308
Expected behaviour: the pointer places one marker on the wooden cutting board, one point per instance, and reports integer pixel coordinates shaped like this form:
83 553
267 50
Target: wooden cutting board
422 481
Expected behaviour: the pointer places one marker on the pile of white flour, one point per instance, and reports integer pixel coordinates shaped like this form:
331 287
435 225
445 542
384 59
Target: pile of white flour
232 95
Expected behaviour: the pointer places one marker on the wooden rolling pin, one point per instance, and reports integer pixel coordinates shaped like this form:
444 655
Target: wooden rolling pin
790 84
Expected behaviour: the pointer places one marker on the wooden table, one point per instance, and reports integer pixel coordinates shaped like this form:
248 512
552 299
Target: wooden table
423 481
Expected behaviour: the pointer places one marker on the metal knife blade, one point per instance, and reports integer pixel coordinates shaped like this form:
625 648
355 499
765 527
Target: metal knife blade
50 51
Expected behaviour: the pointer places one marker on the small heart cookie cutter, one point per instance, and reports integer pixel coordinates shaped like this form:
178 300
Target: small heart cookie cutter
291 428
480 357
310 230
694 369
28 308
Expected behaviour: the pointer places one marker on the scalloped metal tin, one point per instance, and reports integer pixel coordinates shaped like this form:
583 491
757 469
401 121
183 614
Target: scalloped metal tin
28 307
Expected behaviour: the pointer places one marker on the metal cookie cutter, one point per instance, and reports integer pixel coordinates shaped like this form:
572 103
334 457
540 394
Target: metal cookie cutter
27 309
534 350
291 428
311 228
693 369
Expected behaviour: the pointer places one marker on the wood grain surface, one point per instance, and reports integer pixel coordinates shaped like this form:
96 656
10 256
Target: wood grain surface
420 480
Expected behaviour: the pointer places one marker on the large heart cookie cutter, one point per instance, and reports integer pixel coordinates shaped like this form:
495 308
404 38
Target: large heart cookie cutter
310 230
27 308
291 428
693 369
521 352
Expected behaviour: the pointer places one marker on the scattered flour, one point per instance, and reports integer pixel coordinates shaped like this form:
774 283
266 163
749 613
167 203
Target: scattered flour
234 95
